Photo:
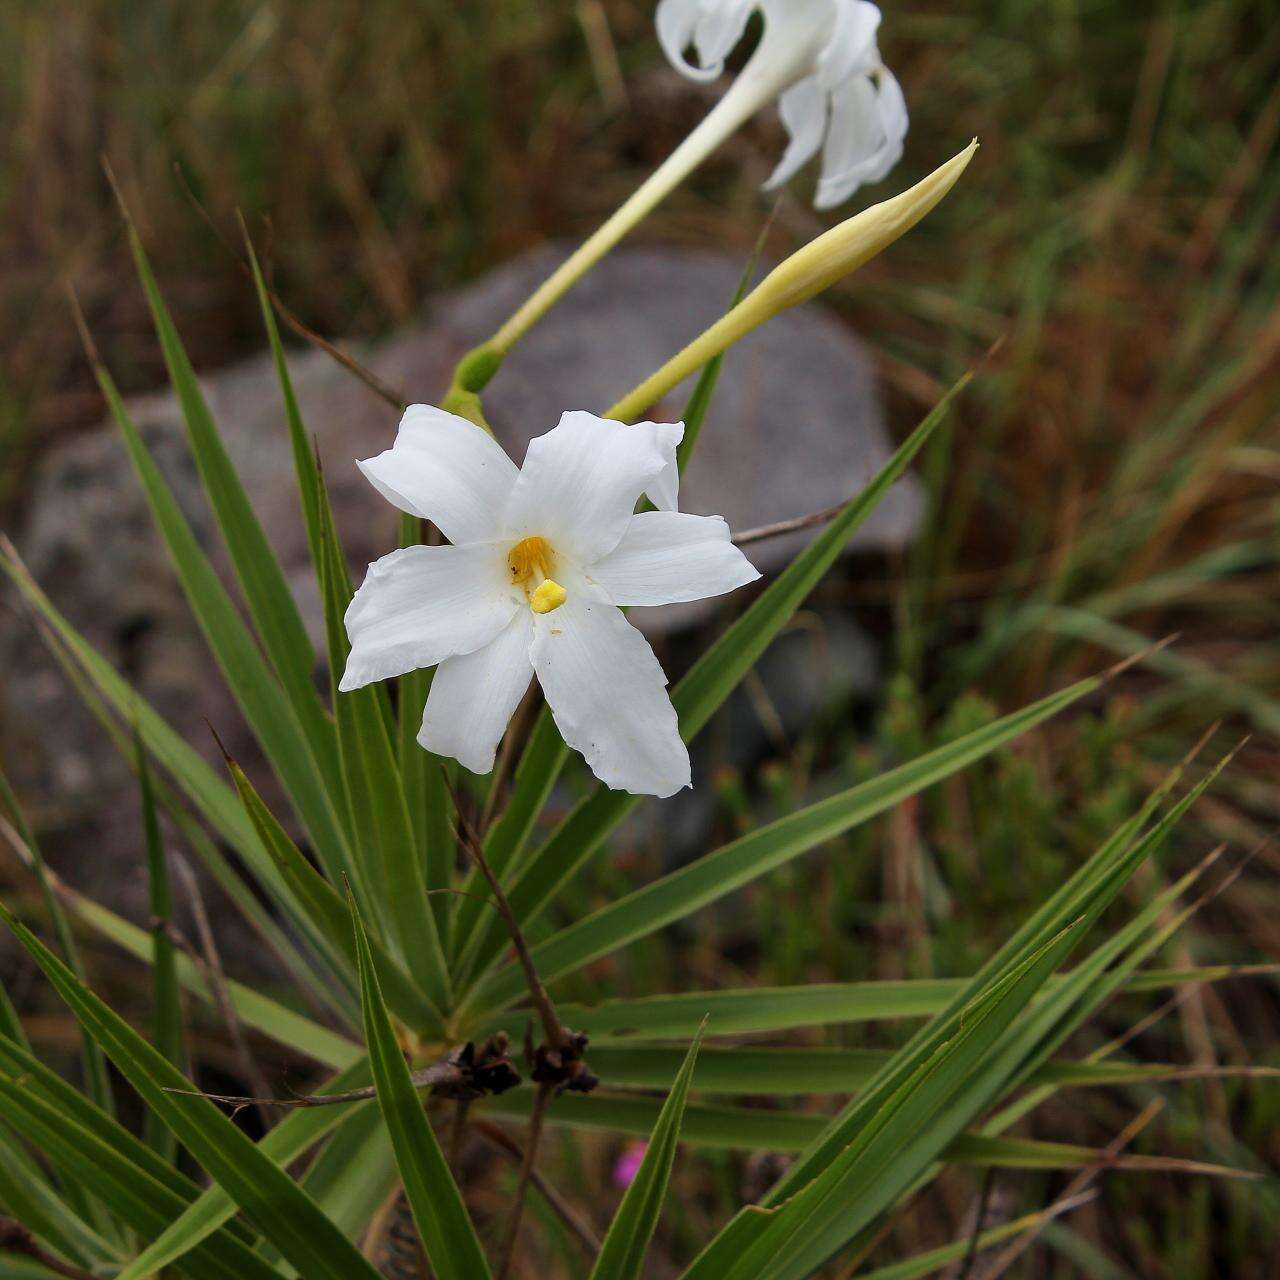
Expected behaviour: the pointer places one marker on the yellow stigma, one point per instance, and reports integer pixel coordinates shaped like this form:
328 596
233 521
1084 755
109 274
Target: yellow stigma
531 559
531 563
548 597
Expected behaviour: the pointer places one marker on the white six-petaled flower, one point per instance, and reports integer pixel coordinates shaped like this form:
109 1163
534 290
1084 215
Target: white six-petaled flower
541 560
837 95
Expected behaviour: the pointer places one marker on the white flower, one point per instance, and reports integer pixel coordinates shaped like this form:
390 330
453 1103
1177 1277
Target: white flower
838 96
542 558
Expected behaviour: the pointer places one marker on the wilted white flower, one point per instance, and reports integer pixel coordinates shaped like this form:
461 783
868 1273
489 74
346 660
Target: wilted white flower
837 95
542 558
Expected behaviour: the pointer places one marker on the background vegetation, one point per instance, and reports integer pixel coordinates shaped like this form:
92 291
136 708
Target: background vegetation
1111 480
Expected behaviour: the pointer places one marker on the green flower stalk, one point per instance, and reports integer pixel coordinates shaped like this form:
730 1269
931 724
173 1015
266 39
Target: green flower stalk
797 48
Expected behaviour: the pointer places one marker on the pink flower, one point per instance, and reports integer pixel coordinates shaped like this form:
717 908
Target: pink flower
627 1164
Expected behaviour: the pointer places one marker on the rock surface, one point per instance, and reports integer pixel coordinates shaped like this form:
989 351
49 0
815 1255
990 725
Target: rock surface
796 426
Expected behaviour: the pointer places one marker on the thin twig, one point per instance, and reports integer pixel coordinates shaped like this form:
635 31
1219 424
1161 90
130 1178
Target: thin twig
443 1072
979 1215
395 398
541 1100
796 523
15 1238
502 1141
557 1037
210 963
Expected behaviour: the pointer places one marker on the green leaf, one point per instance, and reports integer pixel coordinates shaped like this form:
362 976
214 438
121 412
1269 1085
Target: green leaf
715 675
254 685
296 1134
271 1200
354 1175
266 591
743 1069
214 800
924 1264
753 1010
390 864
284 1025
1082 897
304 462
27 1195
425 793
94 1065
448 1236
307 970
326 910
869 1172
623 1251
143 1201
718 873
166 1013
540 765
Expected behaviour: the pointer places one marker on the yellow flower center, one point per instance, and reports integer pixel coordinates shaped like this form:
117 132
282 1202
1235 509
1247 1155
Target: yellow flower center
531 562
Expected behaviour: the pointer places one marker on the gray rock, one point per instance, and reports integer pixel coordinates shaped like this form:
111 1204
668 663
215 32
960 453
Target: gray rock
796 426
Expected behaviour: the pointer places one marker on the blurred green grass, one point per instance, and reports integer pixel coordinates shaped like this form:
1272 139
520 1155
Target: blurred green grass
1111 481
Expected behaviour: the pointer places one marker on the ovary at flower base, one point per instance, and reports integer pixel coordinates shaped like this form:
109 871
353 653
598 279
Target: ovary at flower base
543 558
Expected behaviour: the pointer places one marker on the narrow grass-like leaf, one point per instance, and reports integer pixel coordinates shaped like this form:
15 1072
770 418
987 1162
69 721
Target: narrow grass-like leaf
311 971
138 1199
754 1010
275 614
540 764
448 1236
724 870
390 862
214 800
1083 895
723 1128
304 462
425 794
166 1011
93 1063
27 1195
327 912
270 1199
296 1134
715 675
623 1251
868 1173
286 1026
742 1069
830 1182
258 693
356 1172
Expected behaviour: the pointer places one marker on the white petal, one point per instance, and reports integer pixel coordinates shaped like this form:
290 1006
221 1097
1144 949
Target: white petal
667 557
608 695
803 108
580 482
851 49
713 26
421 605
445 469
474 696
719 29
664 492
865 141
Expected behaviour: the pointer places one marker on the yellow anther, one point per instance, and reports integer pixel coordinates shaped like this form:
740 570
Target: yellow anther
548 597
